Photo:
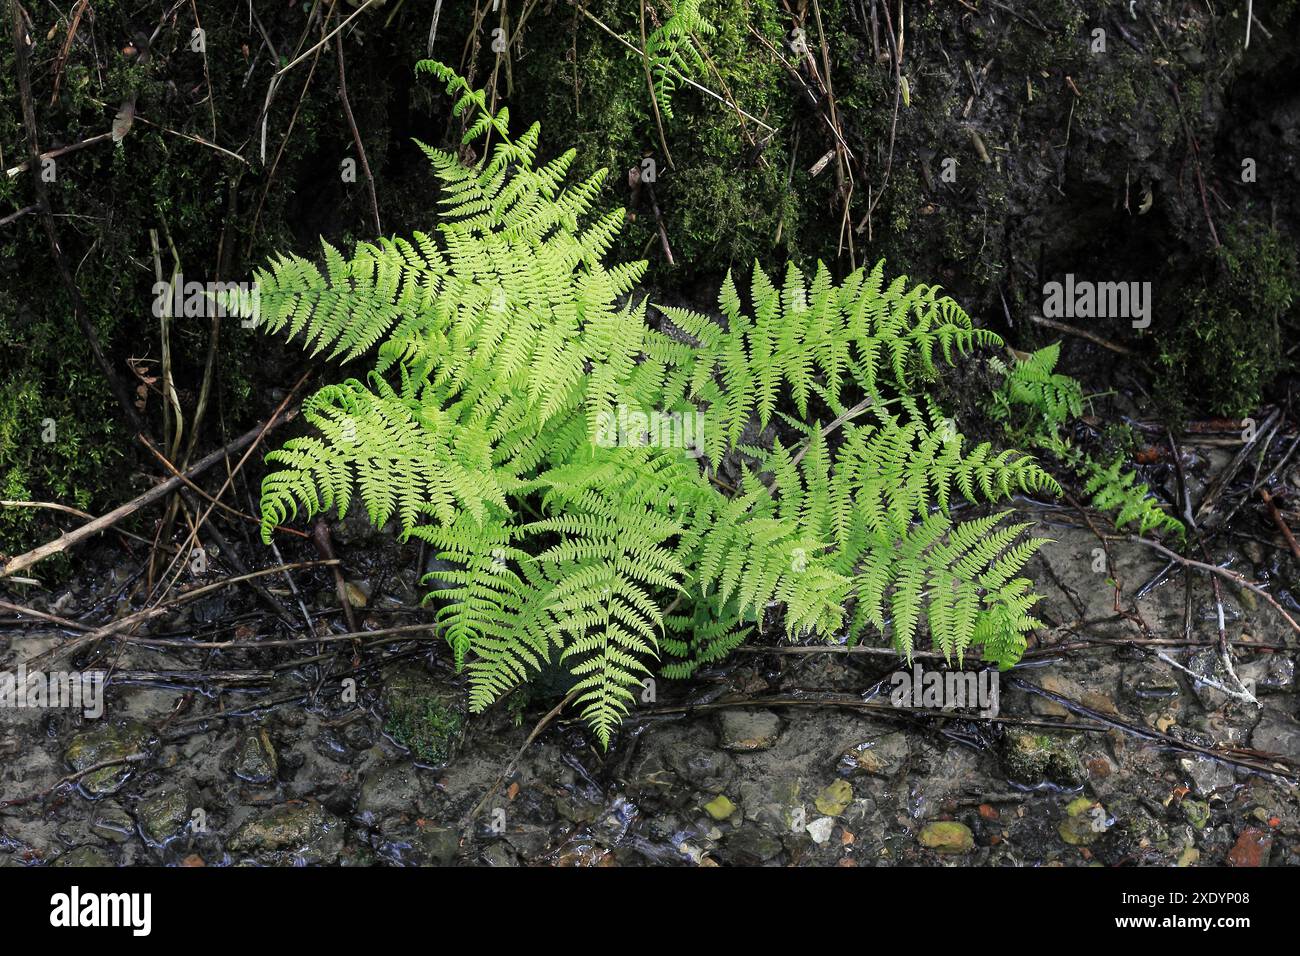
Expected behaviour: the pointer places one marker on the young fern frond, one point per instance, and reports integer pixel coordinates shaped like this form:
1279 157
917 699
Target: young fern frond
1032 386
525 419
672 50
1115 488
1032 383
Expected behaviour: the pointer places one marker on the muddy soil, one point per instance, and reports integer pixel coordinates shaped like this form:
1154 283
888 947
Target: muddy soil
776 758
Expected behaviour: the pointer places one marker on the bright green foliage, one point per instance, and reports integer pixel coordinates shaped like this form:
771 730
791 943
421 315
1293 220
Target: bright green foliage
1117 489
1033 390
1034 384
672 51
515 421
803 338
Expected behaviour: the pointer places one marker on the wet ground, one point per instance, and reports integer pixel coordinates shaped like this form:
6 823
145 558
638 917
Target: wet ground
1108 748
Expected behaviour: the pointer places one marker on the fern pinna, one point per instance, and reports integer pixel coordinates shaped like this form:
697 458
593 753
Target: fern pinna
1035 401
506 423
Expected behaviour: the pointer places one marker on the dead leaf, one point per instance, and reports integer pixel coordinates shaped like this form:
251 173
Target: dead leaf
123 121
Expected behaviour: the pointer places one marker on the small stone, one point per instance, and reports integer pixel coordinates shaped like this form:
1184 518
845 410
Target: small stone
947 837
1251 849
751 845
498 854
1208 666
1098 702
1207 775
1085 820
880 756
111 742
720 807
820 829
1269 673
748 730
358 593
1196 812
84 856
112 823
389 790
255 759
708 770
303 829
164 814
833 800
529 842
442 844
1147 682
988 812
1045 707
1189 857
1276 733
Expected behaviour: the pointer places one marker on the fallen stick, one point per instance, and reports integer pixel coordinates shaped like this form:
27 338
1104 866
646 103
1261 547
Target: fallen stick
1082 333
149 613
1281 524
467 824
42 615
1232 576
102 523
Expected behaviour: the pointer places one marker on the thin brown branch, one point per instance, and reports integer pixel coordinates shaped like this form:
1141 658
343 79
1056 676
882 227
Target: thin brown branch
70 538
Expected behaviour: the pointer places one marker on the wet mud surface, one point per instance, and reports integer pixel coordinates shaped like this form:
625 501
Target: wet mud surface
1108 748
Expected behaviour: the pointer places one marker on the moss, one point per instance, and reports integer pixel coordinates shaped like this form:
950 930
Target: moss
430 730
1227 345
107 197
725 198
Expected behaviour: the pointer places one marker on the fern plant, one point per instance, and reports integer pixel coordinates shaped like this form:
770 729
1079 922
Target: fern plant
512 418
1034 401
672 51
1032 384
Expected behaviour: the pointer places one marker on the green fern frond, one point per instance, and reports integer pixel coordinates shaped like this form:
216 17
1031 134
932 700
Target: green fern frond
560 455
800 339
672 51
1115 488
1031 384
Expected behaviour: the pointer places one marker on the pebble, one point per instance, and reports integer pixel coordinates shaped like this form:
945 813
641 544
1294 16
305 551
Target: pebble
833 800
820 829
111 742
947 837
302 828
1276 733
164 813
1251 849
1085 820
720 807
748 730
880 756
255 759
